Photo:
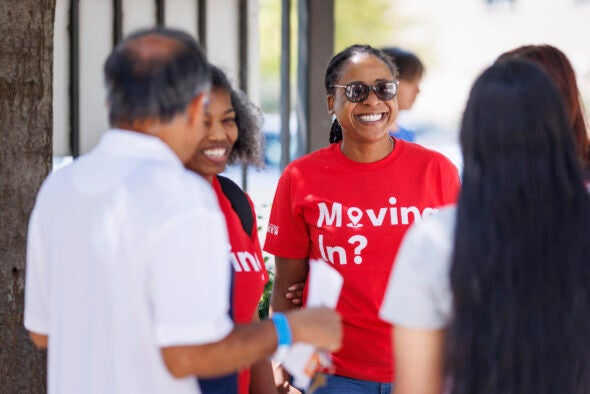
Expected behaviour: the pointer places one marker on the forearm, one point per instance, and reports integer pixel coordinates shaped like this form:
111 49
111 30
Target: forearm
248 344
39 340
261 378
418 360
244 346
287 273
261 374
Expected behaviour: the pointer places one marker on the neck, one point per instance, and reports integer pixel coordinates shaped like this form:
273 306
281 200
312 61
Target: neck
364 152
171 133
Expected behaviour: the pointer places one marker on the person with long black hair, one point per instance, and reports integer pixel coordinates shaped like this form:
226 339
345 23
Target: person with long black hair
559 67
492 296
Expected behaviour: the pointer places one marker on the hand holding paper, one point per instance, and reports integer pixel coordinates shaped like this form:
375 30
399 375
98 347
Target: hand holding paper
302 359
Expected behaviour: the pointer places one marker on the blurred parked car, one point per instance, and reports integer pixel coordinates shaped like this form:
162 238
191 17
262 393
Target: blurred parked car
272 135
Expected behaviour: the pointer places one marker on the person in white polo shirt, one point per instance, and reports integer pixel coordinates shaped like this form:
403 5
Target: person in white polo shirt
128 270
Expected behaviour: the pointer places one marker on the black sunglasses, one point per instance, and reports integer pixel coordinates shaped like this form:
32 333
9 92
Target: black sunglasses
357 92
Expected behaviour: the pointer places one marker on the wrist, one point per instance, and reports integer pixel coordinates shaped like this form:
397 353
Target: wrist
284 335
282 328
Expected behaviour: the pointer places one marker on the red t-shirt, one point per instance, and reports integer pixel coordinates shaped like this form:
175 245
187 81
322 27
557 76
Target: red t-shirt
354 216
250 274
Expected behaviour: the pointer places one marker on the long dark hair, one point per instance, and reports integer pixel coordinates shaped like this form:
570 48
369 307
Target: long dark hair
521 261
336 67
560 69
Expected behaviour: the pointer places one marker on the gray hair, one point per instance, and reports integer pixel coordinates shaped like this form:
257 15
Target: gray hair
154 73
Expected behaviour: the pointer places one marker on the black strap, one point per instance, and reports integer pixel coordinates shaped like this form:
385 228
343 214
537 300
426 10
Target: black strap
239 202
229 383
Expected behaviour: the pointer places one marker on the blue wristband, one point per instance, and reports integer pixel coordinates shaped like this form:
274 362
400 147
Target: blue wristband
283 330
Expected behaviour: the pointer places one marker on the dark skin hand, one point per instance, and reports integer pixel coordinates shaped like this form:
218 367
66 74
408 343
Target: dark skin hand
287 272
295 293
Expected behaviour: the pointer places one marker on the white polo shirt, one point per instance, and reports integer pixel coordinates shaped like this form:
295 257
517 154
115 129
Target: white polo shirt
127 253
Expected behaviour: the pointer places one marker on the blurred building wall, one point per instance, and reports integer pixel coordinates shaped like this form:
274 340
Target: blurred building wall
86 31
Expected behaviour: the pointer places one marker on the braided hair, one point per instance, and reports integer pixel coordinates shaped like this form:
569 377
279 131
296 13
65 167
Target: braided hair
334 71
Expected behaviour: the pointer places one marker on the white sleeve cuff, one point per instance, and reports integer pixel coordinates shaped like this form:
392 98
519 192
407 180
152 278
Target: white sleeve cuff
36 325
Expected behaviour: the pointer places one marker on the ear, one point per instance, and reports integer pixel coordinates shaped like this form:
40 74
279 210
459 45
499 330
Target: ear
330 102
196 109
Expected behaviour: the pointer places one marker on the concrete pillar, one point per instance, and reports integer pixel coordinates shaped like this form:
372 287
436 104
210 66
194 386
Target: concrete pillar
315 48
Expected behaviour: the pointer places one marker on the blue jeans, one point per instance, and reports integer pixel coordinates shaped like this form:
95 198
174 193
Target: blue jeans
340 384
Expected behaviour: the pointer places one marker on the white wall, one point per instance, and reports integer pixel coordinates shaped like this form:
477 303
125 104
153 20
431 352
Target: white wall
95 45
138 15
96 40
222 35
182 14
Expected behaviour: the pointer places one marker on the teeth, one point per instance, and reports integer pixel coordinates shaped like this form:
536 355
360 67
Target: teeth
371 117
215 153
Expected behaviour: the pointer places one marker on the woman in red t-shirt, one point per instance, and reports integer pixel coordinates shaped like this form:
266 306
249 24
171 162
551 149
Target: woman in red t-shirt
350 205
233 135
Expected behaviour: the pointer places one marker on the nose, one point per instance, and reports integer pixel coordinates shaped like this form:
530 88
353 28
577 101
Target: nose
215 132
372 99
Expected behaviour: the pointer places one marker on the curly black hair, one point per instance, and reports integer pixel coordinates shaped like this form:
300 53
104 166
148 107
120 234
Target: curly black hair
248 147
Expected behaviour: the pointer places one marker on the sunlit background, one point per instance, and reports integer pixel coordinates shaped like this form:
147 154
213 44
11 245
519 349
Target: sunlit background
455 39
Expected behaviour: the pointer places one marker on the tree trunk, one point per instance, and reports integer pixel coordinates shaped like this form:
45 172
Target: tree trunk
26 120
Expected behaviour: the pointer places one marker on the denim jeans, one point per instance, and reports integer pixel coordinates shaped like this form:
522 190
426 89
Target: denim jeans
340 384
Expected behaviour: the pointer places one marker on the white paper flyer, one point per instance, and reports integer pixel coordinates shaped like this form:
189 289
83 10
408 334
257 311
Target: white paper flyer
325 284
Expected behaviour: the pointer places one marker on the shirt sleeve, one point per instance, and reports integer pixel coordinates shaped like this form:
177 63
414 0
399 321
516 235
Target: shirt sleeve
451 182
287 233
418 294
189 278
36 314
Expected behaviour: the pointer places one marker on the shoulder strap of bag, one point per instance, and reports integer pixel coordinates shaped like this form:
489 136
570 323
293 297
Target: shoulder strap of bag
239 202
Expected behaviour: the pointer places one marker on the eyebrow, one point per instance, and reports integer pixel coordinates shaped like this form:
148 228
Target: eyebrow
374 81
226 112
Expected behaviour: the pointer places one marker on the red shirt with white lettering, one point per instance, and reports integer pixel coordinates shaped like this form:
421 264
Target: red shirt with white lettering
354 216
250 274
